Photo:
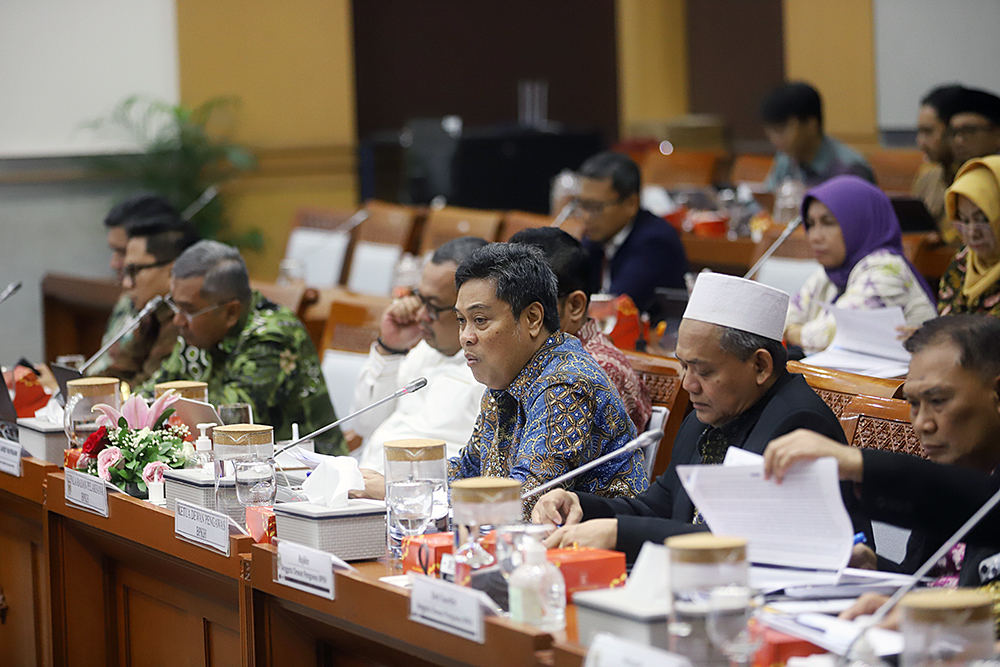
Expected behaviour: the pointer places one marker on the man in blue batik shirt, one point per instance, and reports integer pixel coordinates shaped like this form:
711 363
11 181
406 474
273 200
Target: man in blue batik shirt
549 407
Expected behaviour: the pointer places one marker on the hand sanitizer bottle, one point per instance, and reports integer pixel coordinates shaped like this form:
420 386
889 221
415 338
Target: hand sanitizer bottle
204 455
537 590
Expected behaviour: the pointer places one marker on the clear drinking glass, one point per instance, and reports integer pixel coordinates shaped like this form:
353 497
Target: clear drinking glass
256 484
79 419
410 505
236 413
416 460
730 610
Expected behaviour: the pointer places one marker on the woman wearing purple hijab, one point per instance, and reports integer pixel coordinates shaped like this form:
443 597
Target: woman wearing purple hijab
855 236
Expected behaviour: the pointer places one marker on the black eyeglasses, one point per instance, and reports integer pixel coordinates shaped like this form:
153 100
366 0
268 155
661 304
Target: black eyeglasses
433 311
132 270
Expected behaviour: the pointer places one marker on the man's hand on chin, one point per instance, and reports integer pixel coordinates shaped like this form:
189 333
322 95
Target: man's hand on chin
374 486
596 533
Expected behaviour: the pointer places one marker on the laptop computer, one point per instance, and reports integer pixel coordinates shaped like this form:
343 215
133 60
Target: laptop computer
64 374
8 416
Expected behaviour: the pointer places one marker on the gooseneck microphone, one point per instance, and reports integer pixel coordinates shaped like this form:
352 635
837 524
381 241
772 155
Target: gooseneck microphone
9 290
789 228
411 387
150 306
645 438
887 606
564 213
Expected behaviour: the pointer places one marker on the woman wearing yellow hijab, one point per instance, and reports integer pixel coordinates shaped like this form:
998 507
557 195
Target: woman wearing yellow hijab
972 282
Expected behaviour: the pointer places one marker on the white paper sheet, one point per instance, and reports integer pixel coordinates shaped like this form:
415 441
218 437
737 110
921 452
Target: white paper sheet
834 634
867 342
800 523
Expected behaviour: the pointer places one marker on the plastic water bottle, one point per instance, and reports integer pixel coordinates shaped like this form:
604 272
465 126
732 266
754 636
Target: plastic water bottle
537 590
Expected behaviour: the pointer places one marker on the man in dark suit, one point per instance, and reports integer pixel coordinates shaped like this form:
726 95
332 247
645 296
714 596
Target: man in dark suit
953 386
631 250
729 344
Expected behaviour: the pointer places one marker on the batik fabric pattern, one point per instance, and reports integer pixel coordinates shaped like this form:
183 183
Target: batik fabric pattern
634 393
951 301
135 360
561 411
267 360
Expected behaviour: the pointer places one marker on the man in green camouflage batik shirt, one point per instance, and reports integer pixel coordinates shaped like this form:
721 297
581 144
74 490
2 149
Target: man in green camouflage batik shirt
246 348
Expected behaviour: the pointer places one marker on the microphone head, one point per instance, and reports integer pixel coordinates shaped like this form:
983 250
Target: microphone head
413 386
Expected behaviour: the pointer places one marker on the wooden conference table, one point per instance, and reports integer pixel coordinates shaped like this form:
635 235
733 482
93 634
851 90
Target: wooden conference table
82 589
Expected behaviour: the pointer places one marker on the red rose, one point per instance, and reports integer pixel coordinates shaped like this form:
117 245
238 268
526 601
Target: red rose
97 441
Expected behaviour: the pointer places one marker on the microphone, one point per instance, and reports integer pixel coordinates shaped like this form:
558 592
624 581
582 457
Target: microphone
645 438
9 290
412 386
887 606
353 221
150 306
564 213
789 228
201 202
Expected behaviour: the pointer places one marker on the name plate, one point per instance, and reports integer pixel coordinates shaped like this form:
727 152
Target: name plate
202 526
10 457
607 650
86 492
449 607
305 568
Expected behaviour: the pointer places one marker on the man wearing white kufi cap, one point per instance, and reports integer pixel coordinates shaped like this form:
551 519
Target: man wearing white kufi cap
729 344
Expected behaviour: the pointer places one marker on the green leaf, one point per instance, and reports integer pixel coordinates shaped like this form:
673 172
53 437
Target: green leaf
162 419
122 423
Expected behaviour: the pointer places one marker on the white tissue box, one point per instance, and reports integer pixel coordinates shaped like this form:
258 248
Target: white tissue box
42 439
196 486
354 532
616 610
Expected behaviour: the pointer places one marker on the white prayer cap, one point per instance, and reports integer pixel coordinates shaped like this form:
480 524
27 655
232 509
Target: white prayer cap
738 303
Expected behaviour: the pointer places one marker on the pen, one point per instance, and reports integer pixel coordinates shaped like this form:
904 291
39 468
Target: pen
860 538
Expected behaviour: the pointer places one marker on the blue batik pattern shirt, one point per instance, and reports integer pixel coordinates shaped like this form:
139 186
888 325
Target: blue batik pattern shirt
560 412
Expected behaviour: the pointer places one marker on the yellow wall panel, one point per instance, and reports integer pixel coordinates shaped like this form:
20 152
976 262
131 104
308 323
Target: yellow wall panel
291 63
652 60
831 45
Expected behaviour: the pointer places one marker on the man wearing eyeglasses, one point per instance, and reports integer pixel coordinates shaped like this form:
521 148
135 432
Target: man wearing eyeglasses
631 250
419 338
152 246
246 348
974 126
136 208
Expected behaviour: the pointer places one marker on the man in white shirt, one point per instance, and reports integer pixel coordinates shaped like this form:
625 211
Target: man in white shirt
419 338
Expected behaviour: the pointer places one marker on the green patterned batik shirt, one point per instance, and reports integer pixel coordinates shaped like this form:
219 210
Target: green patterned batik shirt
267 360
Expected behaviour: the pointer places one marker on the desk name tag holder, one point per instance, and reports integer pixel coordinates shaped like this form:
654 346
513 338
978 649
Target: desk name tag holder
10 457
307 569
86 492
457 610
203 527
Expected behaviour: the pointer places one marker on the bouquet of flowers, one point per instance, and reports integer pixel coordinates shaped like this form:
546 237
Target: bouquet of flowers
133 447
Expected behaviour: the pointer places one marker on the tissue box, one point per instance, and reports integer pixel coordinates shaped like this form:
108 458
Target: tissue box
779 647
196 486
42 439
585 569
261 524
618 611
437 545
354 532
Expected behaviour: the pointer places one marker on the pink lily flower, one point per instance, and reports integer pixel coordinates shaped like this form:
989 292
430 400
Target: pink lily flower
138 415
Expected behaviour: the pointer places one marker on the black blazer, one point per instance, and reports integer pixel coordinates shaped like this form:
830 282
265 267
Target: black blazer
932 500
665 508
651 256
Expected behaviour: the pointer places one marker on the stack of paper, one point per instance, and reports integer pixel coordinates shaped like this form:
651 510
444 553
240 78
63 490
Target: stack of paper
866 342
